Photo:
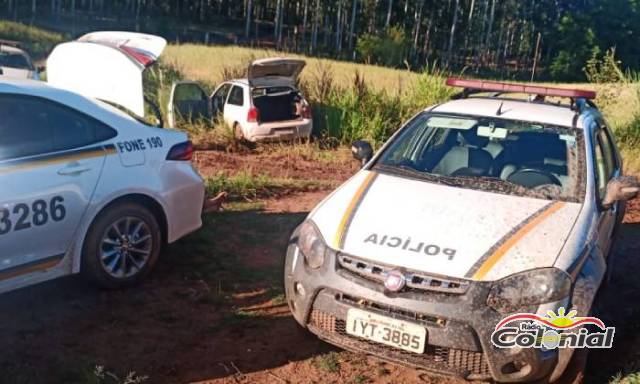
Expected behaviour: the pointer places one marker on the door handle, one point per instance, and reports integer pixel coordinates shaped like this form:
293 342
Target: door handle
74 169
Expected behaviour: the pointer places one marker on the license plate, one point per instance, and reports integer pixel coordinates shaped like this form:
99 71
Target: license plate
384 330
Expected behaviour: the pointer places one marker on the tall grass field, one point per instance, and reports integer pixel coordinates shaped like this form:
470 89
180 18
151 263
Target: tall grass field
350 100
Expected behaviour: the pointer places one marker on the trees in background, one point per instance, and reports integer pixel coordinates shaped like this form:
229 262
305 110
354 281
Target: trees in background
500 37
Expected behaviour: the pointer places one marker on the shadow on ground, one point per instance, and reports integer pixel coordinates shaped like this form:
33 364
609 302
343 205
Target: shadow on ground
213 307
618 306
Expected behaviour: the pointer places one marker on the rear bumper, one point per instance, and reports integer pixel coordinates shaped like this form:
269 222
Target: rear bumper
280 131
184 197
459 326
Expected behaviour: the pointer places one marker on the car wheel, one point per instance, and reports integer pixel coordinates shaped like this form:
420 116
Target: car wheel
237 132
122 246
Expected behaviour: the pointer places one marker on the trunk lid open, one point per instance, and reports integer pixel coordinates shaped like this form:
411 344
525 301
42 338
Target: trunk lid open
275 71
106 66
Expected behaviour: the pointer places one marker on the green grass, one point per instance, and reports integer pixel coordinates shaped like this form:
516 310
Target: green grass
247 186
632 378
37 41
328 362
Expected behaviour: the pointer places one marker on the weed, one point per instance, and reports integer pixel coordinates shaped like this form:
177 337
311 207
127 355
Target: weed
359 379
328 362
632 378
245 185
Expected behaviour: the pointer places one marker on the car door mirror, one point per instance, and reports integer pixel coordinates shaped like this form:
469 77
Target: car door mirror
620 189
362 151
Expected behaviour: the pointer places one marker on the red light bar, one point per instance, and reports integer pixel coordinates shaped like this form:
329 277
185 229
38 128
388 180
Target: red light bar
493 86
144 59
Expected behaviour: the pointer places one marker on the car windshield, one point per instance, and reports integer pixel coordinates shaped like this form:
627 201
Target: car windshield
14 60
492 154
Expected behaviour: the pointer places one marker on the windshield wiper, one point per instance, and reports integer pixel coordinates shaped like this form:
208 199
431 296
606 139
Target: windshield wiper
412 172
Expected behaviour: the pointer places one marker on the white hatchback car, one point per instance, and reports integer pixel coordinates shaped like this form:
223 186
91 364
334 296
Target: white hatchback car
85 186
16 62
266 106
477 208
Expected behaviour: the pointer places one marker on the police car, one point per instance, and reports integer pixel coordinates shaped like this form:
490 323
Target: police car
480 207
87 187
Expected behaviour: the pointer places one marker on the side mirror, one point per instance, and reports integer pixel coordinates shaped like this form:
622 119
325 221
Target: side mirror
620 189
362 151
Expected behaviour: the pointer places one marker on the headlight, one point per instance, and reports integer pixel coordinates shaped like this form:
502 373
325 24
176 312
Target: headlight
529 288
311 245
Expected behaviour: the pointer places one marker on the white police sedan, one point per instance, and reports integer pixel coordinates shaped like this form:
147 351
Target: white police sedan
87 187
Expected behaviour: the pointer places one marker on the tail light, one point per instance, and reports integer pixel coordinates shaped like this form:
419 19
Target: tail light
253 115
181 152
306 112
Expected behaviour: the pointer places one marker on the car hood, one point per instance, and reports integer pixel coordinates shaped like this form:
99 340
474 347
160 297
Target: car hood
275 71
443 230
106 66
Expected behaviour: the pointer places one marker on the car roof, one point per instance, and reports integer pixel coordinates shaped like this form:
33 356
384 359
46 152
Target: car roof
513 109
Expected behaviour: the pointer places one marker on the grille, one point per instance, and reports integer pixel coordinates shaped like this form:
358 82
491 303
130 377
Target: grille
414 280
464 363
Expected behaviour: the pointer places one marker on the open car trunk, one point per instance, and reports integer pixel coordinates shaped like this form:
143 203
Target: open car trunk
107 66
277 103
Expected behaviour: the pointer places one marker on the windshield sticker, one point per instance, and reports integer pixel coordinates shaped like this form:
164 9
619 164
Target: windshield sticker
451 123
556 330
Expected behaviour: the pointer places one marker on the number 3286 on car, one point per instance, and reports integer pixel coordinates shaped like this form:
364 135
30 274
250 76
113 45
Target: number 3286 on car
87 187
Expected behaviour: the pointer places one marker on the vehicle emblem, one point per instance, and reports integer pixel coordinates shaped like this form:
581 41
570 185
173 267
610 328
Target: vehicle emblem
394 281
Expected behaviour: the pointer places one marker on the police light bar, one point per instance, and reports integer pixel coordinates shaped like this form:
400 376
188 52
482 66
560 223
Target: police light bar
493 86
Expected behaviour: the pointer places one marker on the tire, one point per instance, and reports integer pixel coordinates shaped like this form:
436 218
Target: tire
122 246
237 132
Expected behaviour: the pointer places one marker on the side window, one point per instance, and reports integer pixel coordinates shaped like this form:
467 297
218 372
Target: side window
220 97
32 126
608 150
188 91
236 97
602 172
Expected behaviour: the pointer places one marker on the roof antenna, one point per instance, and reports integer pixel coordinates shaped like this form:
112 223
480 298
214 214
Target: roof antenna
500 112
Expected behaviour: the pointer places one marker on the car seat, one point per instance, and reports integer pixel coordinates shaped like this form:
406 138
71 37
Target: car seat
468 158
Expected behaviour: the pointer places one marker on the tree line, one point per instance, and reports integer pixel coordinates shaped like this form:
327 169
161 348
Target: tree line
537 39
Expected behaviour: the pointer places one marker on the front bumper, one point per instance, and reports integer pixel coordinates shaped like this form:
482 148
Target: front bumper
459 326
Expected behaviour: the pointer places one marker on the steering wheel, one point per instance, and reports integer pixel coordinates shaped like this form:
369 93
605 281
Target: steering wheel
532 177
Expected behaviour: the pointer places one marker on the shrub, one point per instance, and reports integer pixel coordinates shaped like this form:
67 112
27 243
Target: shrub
388 48
38 42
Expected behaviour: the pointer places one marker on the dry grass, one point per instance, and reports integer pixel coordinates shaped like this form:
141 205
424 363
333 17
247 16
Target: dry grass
208 63
211 64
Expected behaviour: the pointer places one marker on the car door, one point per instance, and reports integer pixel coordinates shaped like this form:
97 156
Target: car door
607 167
234 109
188 103
51 158
219 98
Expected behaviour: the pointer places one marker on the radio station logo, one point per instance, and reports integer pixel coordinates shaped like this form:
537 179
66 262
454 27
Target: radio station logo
556 330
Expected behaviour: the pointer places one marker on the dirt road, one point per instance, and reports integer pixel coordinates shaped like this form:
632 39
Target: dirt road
214 312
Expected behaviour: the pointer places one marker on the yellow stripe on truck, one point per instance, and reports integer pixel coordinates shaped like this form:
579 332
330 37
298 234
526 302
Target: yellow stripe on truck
513 240
338 241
